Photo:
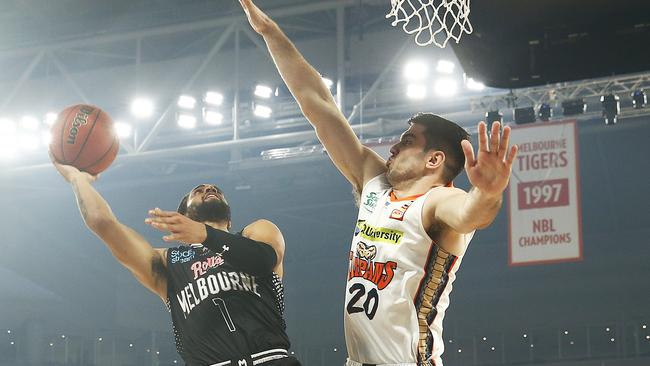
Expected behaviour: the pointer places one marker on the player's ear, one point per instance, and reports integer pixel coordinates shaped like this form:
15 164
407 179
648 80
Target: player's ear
436 159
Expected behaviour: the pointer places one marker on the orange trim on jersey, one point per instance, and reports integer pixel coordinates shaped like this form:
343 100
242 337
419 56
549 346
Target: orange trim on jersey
393 197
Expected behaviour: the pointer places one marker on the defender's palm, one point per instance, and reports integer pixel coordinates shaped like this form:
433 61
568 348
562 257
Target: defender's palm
490 170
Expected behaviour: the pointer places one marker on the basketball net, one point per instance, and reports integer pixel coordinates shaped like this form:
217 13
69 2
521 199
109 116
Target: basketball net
432 21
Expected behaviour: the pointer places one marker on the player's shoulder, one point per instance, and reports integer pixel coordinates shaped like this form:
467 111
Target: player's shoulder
258 227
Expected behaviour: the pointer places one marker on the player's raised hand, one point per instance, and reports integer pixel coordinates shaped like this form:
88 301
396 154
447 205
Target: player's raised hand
490 170
180 227
260 22
68 172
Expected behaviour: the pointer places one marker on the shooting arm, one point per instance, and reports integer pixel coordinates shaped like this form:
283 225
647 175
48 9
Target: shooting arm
147 264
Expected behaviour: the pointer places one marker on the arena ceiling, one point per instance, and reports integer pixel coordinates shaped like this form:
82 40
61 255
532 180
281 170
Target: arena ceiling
515 43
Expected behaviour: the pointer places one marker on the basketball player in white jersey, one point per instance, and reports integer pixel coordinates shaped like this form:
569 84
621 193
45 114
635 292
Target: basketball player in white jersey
413 226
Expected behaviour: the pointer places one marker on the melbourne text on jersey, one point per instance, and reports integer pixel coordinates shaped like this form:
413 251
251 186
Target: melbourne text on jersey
213 284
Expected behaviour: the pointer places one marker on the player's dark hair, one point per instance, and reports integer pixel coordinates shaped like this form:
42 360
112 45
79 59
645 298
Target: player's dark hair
444 135
182 207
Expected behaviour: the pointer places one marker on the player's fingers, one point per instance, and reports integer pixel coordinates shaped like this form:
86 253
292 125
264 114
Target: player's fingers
468 150
482 137
495 134
511 156
505 141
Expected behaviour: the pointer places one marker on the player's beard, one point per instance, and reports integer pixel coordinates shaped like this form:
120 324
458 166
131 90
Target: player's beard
214 210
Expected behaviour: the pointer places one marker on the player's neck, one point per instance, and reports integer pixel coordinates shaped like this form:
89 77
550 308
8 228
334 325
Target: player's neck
415 187
218 225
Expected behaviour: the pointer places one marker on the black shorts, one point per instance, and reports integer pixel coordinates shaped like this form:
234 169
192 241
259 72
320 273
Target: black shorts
287 361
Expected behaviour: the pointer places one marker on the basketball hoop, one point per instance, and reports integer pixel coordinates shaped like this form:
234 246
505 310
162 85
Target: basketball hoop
432 21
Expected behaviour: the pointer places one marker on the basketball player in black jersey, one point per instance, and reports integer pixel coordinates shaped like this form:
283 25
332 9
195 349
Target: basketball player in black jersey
225 294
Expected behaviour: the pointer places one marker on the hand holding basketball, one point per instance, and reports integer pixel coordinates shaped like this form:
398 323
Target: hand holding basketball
260 22
490 171
69 173
84 137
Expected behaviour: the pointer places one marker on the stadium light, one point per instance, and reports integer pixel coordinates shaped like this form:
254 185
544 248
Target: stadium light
186 102
262 111
213 98
493 116
474 85
7 127
545 112
416 70
445 67
572 107
416 91
29 123
142 108
611 108
8 147
186 121
46 138
639 99
29 142
524 115
212 117
263 91
123 129
50 118
446 87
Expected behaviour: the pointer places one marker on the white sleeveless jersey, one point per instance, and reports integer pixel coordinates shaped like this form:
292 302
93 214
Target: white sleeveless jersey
398 282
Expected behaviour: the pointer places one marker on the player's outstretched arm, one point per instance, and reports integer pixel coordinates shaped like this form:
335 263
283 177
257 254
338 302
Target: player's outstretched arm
128 247
488 172
357 163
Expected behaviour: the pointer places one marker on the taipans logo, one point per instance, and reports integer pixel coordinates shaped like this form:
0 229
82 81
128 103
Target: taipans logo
182 256
362 266
81 118
380 234
367 252
371 201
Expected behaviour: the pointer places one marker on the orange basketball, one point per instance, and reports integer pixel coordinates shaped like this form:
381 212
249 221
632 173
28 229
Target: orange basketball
83 136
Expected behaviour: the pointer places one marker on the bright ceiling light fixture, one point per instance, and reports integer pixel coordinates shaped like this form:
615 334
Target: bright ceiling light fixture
7 127
446 87
123 129
142 108
263 111
213 98
416 70
212 118
29 123
50 118
263 91
186 121
474 85
186 102
416 91
445 67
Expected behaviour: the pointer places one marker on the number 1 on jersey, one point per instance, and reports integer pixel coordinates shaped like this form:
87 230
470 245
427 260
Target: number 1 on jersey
224 311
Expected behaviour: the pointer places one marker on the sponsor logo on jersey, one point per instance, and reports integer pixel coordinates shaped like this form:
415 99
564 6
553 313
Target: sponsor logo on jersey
200 268
378 234
363 266
370 201
183 256
398 213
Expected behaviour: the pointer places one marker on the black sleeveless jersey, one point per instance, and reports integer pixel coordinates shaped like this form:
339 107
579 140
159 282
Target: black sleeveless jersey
218 311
